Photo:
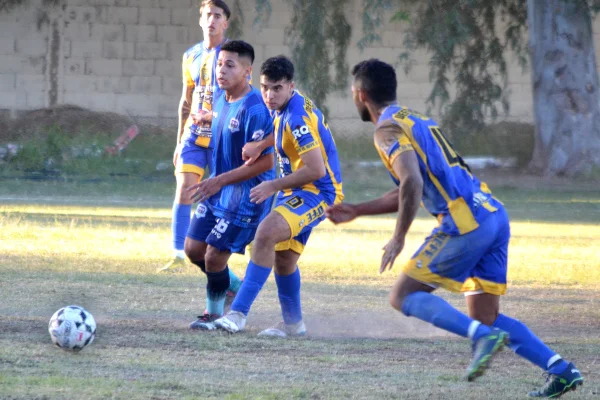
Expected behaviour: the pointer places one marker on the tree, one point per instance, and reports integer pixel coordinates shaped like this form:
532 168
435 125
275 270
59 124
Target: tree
565 87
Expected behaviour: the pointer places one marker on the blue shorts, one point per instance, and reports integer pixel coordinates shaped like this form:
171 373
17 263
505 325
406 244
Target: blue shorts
472 263
193 158
303 211
219 232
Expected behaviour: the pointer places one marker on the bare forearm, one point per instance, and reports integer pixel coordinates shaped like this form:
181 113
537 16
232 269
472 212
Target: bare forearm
266 142
301 177
410 194
246 172
388 203
183 114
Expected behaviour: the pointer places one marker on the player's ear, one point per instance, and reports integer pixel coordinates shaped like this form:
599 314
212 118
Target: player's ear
292 86
249 71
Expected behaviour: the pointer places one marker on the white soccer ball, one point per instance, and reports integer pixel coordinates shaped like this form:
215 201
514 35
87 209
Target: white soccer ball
72 328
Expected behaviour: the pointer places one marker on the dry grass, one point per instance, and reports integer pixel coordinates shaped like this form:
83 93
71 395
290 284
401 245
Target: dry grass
104 258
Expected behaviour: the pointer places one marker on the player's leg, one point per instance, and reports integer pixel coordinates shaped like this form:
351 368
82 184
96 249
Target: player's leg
191 164
490 272
224 239
446 261
271 230
287 277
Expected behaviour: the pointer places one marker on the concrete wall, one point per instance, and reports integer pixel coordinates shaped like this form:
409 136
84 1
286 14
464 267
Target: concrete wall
124 56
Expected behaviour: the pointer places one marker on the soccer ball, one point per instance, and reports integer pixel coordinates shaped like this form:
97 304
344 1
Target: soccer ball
72 328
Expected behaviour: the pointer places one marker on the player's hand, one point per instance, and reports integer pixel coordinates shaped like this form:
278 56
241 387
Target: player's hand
250 152
340 213
202 117
390 251
262 192
205 189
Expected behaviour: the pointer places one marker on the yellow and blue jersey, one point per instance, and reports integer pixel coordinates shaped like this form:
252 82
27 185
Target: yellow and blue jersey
299 128
451 192
199 68
234 125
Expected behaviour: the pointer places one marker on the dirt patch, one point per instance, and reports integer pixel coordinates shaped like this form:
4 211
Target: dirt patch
72 120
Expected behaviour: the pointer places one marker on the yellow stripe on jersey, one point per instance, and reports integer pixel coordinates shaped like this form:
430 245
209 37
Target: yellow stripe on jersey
312 121
458 208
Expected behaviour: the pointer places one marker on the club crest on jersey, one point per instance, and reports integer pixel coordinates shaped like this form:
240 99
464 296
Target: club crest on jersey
234 125
200 211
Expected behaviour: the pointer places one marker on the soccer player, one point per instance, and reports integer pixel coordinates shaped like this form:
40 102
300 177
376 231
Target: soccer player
225 220
310 182
193 150
466 252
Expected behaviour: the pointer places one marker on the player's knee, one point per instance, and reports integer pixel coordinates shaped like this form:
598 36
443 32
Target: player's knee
194 253
263 238
487 317
396 300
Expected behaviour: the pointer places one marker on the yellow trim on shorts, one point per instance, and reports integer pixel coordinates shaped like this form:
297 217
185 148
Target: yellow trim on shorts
297 222
190 168
291 244
475 284
202 141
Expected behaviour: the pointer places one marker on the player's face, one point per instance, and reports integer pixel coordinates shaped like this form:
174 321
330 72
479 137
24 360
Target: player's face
213 21
361 107
232 70
276 94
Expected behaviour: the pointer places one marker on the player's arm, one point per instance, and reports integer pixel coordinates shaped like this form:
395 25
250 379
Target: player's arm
253 150
209 187
406 167
312 170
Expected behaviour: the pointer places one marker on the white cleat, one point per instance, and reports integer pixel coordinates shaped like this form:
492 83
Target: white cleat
232 322
283 330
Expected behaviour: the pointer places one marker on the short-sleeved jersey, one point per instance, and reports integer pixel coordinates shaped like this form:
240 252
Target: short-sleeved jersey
235 124
299 128
199 68
451 192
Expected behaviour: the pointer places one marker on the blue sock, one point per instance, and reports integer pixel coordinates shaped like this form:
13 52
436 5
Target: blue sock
527 345
435 310
216 288
234 282
255 278
180 223
288 288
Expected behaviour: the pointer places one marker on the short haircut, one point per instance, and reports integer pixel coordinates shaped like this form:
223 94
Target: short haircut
217 3
278 68
240 47
377 79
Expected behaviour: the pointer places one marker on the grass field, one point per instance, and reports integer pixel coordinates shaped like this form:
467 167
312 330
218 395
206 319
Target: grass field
98 243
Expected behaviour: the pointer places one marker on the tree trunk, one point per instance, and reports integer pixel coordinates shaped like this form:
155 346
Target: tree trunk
565 88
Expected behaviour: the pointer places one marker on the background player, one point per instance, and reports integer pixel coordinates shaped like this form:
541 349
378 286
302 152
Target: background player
225 220
467 252
310 182
192 153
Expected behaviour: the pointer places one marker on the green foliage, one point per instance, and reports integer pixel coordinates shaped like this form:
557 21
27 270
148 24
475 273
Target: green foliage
319 35
467 53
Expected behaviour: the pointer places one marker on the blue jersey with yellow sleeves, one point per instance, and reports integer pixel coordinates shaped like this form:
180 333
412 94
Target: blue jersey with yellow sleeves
235 124
299 128
199 67
450 190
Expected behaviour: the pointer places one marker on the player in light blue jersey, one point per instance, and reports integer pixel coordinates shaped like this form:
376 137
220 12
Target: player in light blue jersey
310 182
193 151
466 252
225 220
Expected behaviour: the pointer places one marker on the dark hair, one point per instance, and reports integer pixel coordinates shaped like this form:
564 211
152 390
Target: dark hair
217 3
377 79
278 68
240 47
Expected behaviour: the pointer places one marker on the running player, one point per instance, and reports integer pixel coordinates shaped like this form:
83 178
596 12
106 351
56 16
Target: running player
466 252
225 220
310 182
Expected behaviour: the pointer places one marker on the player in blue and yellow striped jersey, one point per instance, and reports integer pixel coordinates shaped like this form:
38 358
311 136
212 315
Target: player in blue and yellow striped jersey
466 252
225 220
310 182
193 150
